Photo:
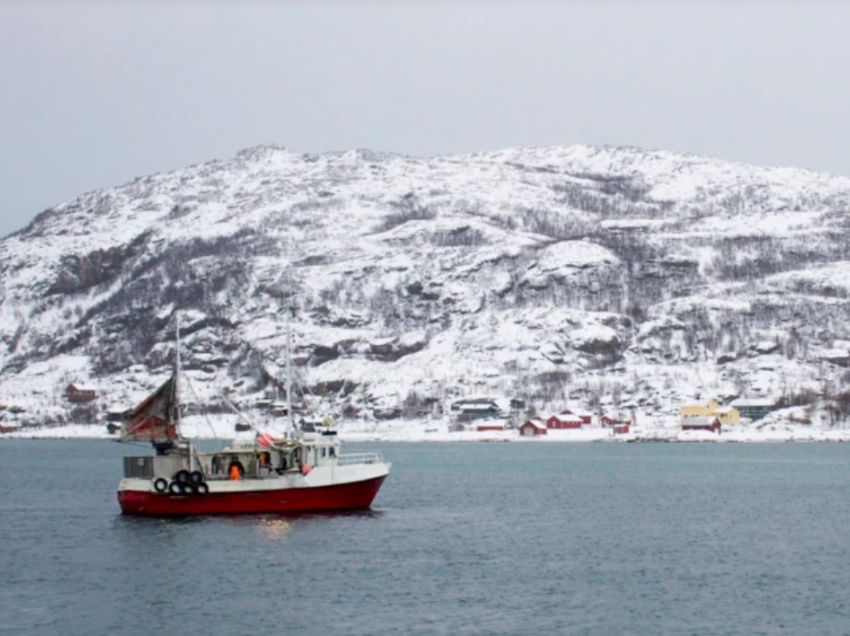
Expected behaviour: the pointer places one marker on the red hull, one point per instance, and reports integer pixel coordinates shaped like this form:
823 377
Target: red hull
352 496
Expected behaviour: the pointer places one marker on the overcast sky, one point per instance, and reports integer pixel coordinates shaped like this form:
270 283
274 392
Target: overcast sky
93 95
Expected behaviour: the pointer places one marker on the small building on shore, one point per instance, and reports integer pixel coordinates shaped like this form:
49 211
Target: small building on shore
490 426
562 421
701 423
533 427
701 409
471 409
584 416
754 408
80 393
613 419
725 414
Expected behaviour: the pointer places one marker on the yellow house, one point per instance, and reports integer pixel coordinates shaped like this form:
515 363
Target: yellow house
726 414
699 410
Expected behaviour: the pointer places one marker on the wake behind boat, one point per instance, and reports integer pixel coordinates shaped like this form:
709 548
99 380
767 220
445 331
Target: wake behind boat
296 472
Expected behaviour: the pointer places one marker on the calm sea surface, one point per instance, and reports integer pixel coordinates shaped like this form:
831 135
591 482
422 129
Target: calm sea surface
522 538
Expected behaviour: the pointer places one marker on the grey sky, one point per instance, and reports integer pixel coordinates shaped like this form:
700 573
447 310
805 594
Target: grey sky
93 95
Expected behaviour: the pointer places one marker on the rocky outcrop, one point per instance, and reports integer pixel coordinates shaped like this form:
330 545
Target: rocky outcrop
77 273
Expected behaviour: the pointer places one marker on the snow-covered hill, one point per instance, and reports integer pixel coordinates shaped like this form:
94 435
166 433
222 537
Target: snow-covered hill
602 277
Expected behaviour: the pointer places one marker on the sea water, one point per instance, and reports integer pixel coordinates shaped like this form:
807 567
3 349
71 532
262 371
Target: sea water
464 538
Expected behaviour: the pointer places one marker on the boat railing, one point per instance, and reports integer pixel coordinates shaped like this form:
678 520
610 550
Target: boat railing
348 459
138 467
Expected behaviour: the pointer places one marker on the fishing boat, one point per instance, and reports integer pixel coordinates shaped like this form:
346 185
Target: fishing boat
297 471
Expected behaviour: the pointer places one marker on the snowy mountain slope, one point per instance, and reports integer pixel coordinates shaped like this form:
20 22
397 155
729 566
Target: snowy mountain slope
604 276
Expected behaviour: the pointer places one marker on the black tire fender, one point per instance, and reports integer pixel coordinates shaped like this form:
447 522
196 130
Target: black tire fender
160 484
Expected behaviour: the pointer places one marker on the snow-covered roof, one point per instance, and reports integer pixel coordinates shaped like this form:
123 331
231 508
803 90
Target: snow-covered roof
567 418
754 402
616 416
723 410
535 422
473 403
579 412
83 387
698 420
484 406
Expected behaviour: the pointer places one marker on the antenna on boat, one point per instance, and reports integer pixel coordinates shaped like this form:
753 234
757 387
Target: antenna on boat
290 419
177 374
290 422
290 428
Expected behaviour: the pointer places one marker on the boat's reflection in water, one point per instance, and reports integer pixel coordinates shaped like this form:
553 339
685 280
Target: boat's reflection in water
276 526
273 525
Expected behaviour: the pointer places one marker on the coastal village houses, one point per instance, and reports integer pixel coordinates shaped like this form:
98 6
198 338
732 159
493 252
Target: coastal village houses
471 409
754 408
614 419
584 416
80 393
569 419
533 427
724 414
701 423
564 421
490 426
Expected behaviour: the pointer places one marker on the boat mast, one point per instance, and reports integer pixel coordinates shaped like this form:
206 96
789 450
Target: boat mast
291 419
176 396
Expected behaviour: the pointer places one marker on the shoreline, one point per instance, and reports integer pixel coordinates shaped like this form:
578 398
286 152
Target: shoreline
415 432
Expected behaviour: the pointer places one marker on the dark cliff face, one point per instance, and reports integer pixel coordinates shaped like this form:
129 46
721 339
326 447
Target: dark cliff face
545 273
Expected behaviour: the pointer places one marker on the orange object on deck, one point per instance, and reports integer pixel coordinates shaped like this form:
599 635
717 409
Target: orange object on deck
234 473
305 469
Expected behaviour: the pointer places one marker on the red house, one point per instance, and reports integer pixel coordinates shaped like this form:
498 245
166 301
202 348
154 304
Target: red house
80 393
564 421
695 423
614 419
621 429
490 426
585 417
533 427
